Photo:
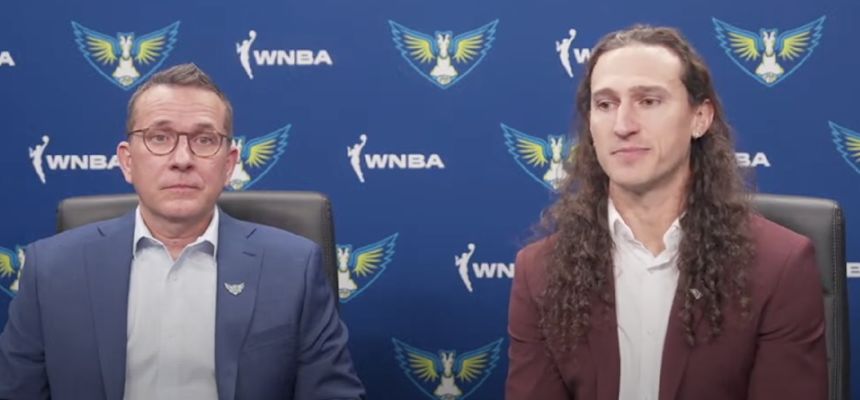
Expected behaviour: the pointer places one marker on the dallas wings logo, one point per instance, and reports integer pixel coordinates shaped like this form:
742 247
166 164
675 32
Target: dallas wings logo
769 56
445 375
847 144
542 159
256 157
121 58
431 55
365 264
11 265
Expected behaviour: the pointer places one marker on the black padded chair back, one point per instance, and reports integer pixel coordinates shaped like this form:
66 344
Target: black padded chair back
822 222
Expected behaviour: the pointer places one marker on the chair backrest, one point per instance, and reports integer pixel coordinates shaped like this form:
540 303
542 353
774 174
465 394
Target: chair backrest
822 222
306 214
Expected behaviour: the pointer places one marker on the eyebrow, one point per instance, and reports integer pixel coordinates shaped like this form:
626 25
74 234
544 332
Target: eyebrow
197 127
638 90
649 90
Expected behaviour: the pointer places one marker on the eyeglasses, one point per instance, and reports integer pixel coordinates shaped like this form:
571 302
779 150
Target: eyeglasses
162 141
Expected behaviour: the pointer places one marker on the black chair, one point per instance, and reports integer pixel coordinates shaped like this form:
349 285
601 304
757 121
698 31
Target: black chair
821 221
306 214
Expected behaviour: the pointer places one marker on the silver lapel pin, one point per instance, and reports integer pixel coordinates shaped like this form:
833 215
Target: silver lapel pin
697 294
235 288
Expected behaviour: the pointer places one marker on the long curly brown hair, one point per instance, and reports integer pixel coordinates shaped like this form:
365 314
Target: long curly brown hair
715 249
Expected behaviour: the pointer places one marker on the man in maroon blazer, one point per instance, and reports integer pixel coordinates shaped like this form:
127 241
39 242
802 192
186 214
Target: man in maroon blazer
656 280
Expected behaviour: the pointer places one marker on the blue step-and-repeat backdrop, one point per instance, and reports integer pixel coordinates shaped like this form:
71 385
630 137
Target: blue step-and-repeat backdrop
436 127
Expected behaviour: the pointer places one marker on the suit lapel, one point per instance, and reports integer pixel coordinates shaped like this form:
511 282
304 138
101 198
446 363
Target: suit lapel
239 264
108 265
603 344
676 350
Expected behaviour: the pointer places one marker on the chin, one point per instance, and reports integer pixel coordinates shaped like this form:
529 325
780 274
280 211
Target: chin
184 210
629 183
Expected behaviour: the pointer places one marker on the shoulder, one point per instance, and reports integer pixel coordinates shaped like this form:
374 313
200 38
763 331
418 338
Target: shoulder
774 243
79 237
271 239
781 257
532 262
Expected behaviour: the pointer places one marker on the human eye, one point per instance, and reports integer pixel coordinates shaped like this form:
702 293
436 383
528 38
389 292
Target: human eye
650 101
160 136
206 138
603 105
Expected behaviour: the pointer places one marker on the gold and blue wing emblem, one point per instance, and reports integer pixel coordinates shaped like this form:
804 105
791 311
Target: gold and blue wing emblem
474 44
145 54
748 51
794 43
367 263
476 366
421 50
425 369
847 144
10 264
155 45
373 258
96 46
417 364
260 154
532 153
738 42
414 45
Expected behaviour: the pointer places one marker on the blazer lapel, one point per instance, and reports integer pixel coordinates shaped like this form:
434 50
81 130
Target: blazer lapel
239 266
603 344
676 350
108 266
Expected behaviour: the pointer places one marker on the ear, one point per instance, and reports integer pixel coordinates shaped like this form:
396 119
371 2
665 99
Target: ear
123 153
703 118
232 157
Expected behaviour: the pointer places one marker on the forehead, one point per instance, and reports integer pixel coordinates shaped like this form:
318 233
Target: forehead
179 105
635 66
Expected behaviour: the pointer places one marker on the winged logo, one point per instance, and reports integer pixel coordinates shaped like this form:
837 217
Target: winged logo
257 156
847 144
446 375
11 266
121 58
443 58
542 159
364 264
769 56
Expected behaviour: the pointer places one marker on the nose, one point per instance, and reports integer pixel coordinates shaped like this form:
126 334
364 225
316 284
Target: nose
626 122
182 156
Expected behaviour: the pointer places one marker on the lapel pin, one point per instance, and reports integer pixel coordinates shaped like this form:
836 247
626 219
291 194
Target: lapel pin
695 292
235 288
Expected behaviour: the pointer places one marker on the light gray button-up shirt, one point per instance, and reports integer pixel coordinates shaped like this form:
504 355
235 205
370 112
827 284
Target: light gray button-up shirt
171 318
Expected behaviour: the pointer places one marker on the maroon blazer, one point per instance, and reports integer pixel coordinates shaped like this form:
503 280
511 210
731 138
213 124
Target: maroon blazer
778 353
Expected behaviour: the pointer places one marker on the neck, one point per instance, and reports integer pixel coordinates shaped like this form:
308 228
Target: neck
650 214
175 234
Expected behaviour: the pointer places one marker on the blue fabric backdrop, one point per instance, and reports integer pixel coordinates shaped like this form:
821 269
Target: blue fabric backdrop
444 198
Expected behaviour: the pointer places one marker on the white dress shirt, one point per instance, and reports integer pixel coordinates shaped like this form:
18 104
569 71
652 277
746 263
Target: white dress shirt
171 318
644 290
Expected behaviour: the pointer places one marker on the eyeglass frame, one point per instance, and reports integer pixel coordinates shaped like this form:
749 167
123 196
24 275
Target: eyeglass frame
188 136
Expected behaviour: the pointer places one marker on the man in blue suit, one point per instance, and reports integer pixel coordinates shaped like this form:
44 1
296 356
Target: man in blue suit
176 300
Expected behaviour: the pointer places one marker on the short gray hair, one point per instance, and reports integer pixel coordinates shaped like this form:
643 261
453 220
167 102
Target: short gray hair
182 75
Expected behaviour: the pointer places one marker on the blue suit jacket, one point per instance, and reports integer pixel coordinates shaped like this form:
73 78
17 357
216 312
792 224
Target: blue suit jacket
281 338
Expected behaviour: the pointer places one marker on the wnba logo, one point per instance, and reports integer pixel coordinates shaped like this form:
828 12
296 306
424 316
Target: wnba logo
377 161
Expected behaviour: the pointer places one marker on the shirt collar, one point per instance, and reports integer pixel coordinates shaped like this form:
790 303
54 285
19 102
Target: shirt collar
141 231
619 230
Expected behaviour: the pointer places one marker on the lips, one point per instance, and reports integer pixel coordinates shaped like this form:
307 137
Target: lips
181 186
630 150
